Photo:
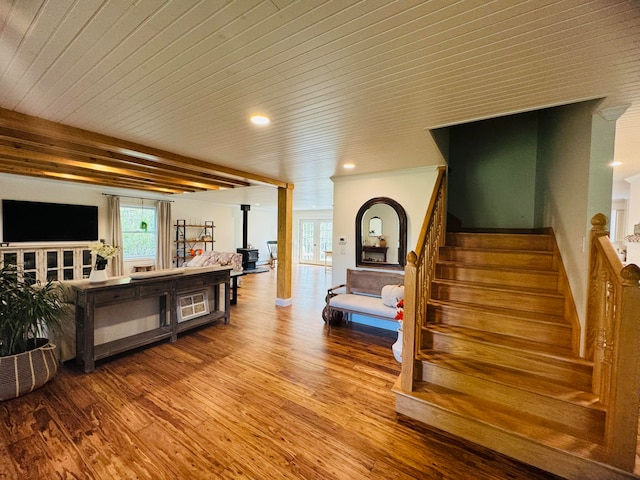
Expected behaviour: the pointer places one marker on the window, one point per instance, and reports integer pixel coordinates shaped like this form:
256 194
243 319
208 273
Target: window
315 240
138 241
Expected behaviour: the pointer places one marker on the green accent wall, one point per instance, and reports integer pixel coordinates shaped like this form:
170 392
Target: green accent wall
492 172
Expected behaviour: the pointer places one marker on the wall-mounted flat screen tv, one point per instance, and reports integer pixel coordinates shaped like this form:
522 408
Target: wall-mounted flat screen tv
24 221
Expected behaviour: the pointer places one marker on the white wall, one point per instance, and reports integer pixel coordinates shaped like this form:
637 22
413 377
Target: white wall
227 218
263 226
410 188
574 184
223 217
14 187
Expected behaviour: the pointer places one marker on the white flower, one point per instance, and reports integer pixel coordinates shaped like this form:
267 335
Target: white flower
103 250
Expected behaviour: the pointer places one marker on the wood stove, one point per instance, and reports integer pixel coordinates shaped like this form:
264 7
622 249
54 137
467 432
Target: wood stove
249 255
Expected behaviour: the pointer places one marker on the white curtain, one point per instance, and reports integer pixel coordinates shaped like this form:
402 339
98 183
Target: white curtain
165 245
115 235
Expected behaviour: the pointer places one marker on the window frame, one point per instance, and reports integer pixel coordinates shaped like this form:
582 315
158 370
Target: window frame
154 232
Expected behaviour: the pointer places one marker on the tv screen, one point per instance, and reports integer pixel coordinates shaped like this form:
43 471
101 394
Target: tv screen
24 221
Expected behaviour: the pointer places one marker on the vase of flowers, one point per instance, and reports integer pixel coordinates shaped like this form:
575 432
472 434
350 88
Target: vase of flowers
102 253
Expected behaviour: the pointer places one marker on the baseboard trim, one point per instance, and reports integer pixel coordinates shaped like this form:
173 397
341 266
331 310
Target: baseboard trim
283 302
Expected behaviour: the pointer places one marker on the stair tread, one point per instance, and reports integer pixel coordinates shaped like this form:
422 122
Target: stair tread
506 251
550 352
544 292
507 240
457 263
520 423
543 318
518 379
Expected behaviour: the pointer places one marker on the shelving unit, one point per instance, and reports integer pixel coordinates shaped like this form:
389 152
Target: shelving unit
191 238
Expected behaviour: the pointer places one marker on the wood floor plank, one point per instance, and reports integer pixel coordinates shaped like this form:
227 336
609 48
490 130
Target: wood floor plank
271 395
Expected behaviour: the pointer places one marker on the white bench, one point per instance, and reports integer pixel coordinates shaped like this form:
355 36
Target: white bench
362 295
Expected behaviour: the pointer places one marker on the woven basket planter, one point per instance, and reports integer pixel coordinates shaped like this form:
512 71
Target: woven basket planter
24 372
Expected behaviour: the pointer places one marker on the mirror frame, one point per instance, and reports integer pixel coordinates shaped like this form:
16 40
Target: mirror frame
402 227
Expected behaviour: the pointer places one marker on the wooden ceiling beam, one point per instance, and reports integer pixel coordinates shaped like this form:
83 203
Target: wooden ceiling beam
94 167
58 131
113 182
28 167
56 147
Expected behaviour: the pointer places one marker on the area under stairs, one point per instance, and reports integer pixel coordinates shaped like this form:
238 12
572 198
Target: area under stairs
497 366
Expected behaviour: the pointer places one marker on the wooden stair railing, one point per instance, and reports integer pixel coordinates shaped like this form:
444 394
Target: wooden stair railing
613 343
419 272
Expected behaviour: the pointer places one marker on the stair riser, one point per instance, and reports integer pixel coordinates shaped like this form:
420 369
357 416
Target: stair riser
504 258
578 376
511 278
563 463
522 301
552 334
499 241
584 422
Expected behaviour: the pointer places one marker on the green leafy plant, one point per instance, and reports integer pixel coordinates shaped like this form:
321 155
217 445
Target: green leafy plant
27 311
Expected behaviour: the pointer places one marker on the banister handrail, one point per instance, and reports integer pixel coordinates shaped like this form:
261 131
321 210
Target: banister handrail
612 342
419 271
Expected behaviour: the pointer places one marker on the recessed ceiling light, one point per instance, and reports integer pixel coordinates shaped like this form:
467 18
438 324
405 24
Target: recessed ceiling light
615 163
348 166
260 120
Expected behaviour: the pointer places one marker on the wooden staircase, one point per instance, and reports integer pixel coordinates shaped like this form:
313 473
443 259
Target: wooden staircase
496 359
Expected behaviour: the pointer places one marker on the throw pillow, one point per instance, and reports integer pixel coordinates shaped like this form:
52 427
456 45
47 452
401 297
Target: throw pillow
392 294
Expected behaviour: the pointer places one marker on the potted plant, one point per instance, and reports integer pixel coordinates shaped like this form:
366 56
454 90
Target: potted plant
28 312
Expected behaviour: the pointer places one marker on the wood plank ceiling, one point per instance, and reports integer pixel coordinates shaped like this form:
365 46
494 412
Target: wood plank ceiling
343 81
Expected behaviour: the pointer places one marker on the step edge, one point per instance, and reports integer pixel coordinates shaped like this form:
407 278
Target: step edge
497 287
566 436
577 361
583 466
528 418
595 406
558 344
501 312
502 268
545 253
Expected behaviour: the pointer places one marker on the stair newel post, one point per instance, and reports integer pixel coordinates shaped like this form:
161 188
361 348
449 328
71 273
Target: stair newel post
621 427
409 327
596 288
613 342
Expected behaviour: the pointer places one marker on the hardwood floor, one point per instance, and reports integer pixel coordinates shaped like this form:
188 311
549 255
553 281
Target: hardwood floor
270 395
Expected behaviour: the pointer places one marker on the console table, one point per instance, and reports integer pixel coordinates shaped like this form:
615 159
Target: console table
164 286
377 250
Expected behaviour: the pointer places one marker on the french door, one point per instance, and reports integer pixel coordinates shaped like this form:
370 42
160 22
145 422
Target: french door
315 241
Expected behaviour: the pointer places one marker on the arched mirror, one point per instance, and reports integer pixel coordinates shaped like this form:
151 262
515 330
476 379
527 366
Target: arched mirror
381 234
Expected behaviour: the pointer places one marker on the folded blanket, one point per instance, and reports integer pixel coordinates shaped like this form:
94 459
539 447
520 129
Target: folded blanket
216 258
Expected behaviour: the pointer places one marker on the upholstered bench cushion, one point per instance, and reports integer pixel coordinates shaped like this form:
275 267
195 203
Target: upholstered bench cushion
362 304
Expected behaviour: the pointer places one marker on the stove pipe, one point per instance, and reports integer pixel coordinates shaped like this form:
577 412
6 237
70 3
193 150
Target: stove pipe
245 224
